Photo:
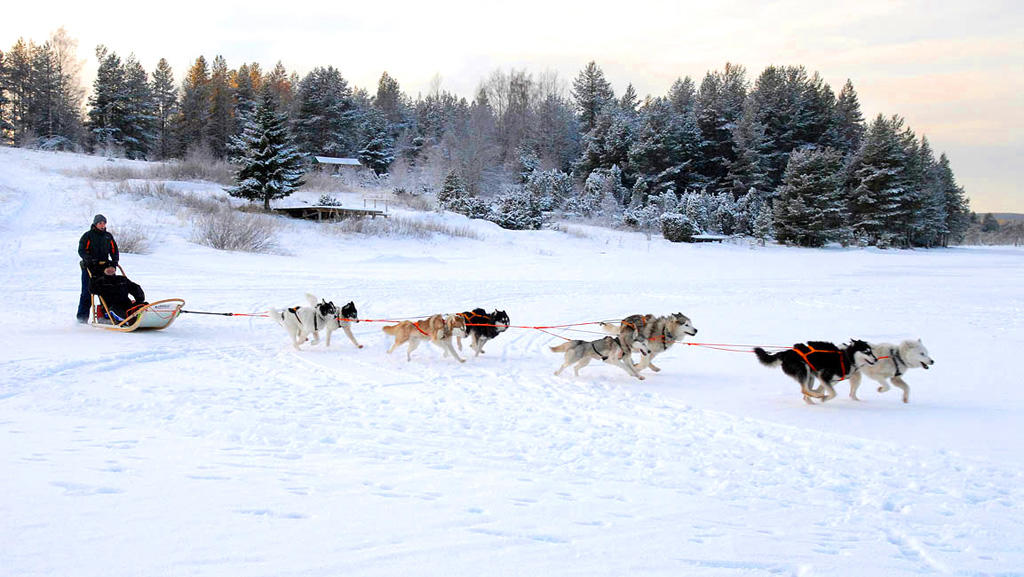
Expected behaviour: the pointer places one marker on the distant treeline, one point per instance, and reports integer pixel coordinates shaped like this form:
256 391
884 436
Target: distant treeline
998 229
781 156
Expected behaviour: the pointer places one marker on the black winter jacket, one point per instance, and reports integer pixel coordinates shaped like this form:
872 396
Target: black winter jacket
97 247
116 291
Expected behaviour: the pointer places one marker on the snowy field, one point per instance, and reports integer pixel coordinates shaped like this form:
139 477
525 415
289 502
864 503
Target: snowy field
213 448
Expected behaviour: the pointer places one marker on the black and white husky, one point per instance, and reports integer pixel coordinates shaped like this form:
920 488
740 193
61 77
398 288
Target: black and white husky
482 326
893 361
822 360
301 321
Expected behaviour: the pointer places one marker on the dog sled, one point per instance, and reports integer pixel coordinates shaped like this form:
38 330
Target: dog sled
153 316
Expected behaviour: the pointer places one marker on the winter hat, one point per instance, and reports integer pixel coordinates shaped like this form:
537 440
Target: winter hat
98 219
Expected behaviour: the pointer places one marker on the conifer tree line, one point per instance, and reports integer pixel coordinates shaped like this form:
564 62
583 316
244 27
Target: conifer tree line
782 155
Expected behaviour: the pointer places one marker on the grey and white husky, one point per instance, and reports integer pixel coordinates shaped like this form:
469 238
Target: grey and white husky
893 361
650 335
607 349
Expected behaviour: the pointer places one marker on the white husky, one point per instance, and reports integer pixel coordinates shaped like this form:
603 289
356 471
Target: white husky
893 361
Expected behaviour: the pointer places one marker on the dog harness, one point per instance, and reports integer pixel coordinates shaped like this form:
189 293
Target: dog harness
896 360
812 350
417 325
597 352
295 311
469 316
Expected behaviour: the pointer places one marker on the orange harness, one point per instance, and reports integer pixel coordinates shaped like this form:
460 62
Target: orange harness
469 316
812 350
417 325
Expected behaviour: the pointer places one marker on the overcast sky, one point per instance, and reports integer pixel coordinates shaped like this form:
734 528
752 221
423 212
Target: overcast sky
953 69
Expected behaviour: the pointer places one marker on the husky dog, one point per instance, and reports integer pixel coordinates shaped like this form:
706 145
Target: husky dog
347 316
483 326
437 329
818 359
607 349
301 321
893 360
650 335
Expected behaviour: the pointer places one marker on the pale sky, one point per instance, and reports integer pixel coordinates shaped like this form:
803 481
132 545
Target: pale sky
953 69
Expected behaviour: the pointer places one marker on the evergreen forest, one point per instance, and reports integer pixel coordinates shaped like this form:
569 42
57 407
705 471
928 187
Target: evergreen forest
777 154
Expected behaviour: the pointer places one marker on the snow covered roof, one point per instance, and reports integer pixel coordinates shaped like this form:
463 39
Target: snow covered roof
334 160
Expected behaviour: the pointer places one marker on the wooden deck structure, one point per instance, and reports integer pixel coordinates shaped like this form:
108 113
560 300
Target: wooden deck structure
708 238
321 213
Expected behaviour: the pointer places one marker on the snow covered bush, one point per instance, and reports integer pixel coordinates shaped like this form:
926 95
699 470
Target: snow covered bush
748 207
550 188
402 228
132 238
763 224
723 214
517 209
678 227
589 200
197 165
648 217
454 196
328 200
695 206
230 230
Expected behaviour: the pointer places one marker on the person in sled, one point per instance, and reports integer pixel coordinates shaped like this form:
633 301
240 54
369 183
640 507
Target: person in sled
119 293
97 249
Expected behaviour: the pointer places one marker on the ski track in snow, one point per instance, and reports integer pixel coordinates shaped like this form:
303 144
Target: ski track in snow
215 448
559 445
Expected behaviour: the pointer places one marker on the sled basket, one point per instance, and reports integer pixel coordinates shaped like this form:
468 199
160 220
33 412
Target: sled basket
153 316
150 316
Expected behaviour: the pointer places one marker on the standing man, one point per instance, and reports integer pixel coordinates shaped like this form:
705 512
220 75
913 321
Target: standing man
98 250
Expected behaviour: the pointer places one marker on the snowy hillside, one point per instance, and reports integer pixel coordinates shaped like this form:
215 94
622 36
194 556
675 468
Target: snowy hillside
213 448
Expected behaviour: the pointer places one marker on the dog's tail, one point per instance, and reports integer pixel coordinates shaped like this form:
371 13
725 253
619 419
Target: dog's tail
767 359
313 301
562 347
613 328
276 315
389 330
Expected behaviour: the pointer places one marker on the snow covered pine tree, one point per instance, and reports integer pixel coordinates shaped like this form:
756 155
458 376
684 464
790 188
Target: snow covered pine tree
270 167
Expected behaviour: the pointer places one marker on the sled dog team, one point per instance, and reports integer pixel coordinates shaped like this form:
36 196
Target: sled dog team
646 335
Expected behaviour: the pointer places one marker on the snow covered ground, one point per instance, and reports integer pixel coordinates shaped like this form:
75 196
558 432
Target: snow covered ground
214 448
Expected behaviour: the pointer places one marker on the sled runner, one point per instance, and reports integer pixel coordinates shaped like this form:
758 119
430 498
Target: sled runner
147 316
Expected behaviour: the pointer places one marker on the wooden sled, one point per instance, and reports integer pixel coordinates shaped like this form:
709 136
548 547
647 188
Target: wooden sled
150 316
